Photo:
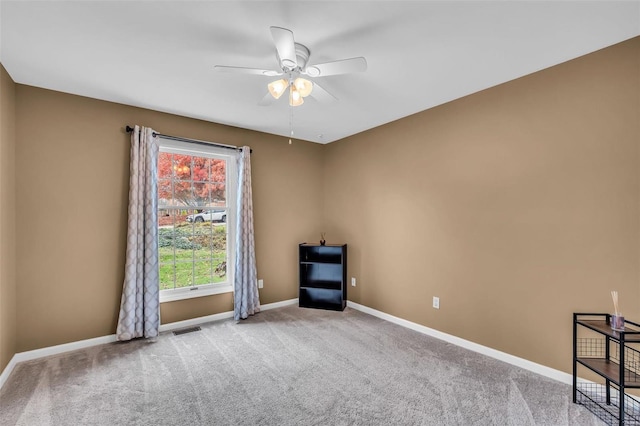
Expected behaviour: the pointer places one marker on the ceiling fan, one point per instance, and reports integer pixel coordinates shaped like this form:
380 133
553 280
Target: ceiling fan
294 63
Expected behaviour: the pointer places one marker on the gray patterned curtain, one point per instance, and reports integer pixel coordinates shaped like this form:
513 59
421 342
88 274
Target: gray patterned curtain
246 298
140 304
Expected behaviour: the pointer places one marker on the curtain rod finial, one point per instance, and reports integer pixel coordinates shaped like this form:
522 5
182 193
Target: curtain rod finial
129 129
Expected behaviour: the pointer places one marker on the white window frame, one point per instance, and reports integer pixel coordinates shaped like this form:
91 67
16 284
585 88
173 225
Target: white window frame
231 156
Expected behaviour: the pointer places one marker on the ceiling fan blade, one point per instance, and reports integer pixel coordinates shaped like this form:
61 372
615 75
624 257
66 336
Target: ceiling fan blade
321 95
285 45
343 66
243 70
267 100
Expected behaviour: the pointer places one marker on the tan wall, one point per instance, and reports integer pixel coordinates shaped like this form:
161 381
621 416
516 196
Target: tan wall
73 158
7 219
516 206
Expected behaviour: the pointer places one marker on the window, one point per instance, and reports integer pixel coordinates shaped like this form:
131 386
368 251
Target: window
196 204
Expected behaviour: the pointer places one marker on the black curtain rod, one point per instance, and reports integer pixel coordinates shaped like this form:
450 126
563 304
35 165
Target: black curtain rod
129 129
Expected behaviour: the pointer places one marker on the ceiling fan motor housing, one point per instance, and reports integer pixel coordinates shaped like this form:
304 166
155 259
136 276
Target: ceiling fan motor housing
302 56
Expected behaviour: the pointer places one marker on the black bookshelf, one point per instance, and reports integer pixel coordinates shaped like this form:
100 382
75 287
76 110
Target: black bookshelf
323 276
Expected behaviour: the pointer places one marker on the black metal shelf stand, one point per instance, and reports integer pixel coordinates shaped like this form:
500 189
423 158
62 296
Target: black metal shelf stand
614 356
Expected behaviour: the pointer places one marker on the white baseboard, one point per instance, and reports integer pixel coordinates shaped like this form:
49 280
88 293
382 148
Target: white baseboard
7 370
195 321
276 305
82 344
543 370
222 315
52 350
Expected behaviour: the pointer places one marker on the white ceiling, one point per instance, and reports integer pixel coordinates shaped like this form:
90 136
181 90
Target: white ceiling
160 54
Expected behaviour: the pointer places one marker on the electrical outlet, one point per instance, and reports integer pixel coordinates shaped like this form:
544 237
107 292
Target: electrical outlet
353 281
260 283
436 302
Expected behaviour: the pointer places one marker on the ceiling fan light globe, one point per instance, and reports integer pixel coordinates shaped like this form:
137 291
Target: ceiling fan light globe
278 87
294 97
303 86
297 103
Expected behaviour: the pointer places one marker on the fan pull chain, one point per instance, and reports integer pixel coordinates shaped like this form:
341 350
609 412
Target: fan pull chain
290 123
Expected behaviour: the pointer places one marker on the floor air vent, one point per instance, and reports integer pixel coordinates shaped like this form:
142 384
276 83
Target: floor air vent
186 330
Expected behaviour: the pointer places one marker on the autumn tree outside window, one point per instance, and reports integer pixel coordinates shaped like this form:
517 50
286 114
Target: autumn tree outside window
196 193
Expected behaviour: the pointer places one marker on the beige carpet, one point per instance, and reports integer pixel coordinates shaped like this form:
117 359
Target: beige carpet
289 366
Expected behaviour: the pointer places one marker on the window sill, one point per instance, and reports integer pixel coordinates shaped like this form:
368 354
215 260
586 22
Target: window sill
188 293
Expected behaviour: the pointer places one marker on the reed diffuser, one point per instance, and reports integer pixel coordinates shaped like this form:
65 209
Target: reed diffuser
617 320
